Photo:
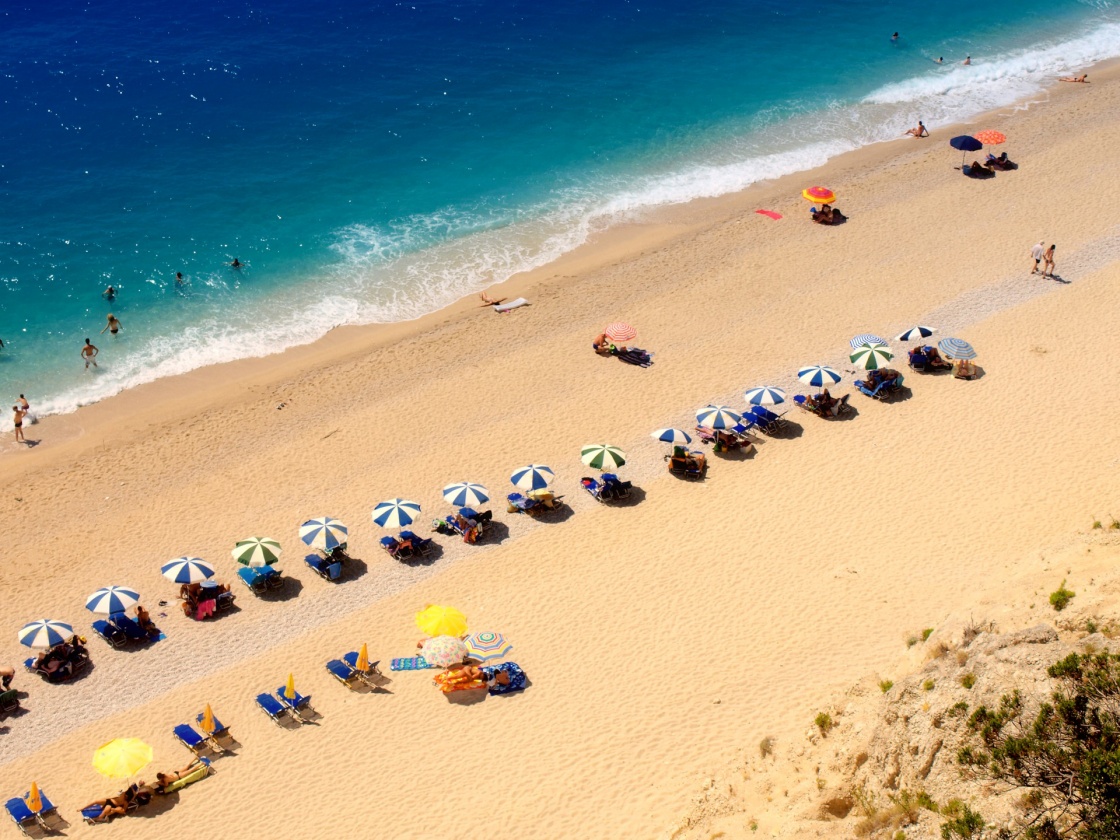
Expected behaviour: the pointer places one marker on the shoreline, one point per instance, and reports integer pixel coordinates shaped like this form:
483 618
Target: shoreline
180 395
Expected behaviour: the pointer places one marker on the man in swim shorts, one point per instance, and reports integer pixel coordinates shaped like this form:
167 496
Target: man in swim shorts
89 353
19 415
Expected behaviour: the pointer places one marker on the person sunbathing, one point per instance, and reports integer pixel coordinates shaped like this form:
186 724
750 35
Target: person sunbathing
190 592
165 779
965 369
824 215
52 662
115 806
1083 78
935 359
144 619
504 678
823 402
460 678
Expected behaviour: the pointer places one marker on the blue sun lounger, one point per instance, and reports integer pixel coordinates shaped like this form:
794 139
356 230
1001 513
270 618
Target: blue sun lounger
190 739
271 707
298 706
24 817
260 579
327 569
130 628
343 673
220 729
110 633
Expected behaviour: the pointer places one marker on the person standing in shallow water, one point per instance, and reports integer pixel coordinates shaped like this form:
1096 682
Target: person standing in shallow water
89 353
113 325
18 420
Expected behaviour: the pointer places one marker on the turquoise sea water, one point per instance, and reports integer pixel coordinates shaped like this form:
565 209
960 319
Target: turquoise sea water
372 164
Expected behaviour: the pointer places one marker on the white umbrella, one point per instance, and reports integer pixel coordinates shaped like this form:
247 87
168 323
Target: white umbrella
396 513
765 395
818 376
717 417
865 338
187 570
324 533
44 633
465 494
257 551
871 356
916 333
532 477
674 436
111 600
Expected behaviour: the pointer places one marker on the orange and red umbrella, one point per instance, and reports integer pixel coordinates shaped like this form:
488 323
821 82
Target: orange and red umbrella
819 195
989 137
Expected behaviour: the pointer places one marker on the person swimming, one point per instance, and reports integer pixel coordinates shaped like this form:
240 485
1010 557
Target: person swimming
109 293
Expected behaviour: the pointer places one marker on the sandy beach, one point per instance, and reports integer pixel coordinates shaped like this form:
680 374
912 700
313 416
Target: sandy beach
660 636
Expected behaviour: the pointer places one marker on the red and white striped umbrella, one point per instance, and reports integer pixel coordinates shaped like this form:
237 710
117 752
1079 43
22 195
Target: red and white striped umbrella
618 331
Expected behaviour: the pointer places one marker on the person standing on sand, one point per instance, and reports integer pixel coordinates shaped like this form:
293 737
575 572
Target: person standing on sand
1048 262
18 419
113 326
89 353
1037 253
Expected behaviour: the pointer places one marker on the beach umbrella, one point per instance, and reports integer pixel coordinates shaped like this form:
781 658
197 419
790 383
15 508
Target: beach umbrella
443 651
765 395
990 137
110 600
34 800
290 687
324 533
532 477
435 620
916 333
122 757
602 456
465 494
675 436
620 332
395 513
187 570
362 664
955 348
257 551
207 721
717 417
865 338
965 143
818 375
44 633
871 356
487 645
819 195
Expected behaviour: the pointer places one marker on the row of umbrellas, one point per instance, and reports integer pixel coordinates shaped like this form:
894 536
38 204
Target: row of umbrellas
449 643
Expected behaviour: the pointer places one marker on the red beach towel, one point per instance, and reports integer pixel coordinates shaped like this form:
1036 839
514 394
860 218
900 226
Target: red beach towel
770 213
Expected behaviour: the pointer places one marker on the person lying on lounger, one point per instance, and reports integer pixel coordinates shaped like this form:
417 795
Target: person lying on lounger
165 779
935 359
115 806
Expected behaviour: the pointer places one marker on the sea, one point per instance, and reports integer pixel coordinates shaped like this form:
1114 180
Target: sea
372 162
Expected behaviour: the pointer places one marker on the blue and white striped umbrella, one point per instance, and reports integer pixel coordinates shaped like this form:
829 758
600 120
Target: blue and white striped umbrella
187 570
916 333
110 600
395 513
44 633
675 436
465 494
871 356
324 533
717 417
955 348
765 396
818 376
532 477
865 338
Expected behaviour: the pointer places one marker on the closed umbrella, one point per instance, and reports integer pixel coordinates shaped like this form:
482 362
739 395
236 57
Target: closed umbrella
44 633
717 417
34 800
187 570
818 376
435 620
111 600
324 533
487 646
396 513
443 651
122 757
955 348
916 333
207 720
674 436
602 456
290 687
362 663
532 477
465 494
765 396
257 551
620 332
871 356
865 338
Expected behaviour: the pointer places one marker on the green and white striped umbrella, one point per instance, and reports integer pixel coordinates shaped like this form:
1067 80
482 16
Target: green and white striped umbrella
257 551
602 456
871 356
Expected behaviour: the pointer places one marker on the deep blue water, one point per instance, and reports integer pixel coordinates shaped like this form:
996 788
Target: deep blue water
374 162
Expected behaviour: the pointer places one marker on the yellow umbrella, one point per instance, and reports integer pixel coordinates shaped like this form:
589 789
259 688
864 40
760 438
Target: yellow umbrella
34 801
207 722
290 688
121 757
363 659
441 621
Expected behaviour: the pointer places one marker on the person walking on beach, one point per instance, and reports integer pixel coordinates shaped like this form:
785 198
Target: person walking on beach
1037 253
1048 262
89 353
18 420
113 325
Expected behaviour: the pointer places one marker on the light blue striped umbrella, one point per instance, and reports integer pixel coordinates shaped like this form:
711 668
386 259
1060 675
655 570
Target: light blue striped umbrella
532 477
871 356
916 333
110 600
395 513
865 338
675 436
955 348
324 533
818 376
465 494
187 570
717 417
765 396
44 633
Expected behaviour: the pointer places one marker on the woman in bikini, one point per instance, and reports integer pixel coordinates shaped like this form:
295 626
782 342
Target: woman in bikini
113 325
165 779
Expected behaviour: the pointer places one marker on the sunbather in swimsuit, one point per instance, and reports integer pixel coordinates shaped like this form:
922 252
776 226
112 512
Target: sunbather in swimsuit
504 678
165 779
463 678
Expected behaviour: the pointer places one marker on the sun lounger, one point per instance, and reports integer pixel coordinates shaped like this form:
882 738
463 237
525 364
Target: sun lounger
24 817
840 406
343 673
351 660
876 393
220 729
110 633
189 779
687 463
190 739
272 707
298 706
326 569
260 579
9 701
767 421
421 545
131 628
398 549
607 488
523 504
91 813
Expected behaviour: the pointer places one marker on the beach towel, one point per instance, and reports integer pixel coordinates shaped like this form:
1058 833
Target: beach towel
637 357
513 304
411 663
772 214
